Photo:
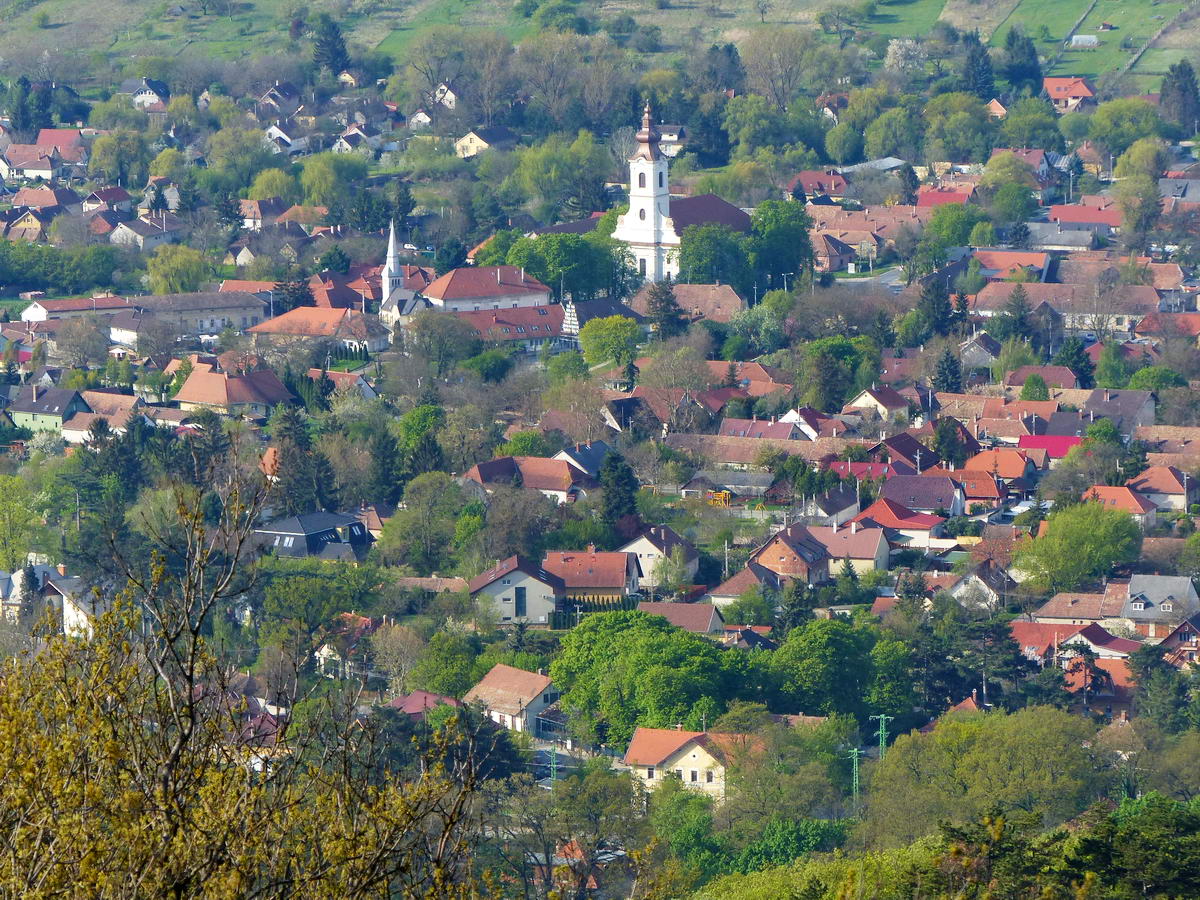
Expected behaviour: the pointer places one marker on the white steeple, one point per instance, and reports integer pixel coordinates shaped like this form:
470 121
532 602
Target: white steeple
392 276
647 227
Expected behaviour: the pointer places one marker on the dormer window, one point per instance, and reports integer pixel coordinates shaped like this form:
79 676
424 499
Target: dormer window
1166 607
1138 604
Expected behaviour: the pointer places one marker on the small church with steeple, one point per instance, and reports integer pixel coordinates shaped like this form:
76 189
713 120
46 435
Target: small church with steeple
655 222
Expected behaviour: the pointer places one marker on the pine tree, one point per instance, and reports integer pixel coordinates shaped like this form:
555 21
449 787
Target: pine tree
1074 357
1018 235
288 423
934 306
663 310
798 192
189 195
948 441
329 46
948 376
1180 98
620 486
1021 66
1013 320
402 201
335 259
386 467
1035 388
158 201
293 293
978 77
909 183
325 482
228 210
295 484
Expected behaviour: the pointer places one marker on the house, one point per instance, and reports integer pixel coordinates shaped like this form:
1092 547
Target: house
587 457
155 185
1181 647
1039 642
1055 446
59 200
519 590
281 99
513 698
1105 687
764 428
351 382
1154 605
834 507
148 94
1015 468
418 703
698 618
903 450
930 196
996 109
478 140
1073 608
116 199
554 478
715 302
1141 509
45 408
793 553
321 535
253 394
258 213
656 544
472 289
817 183
903 526
1069 94
882 402
527 329
32 225
1103 644
1053 376
578 314
29 162
286 140
350 328
73 307
830 253
591 575
1168 488
938 495
358 138
865 548
753 576
205 312
343 652
148 231
698 759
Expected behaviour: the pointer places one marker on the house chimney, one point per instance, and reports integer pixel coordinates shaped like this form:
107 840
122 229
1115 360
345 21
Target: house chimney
62 569
854 528
497 274
591 548
1107 395
35 387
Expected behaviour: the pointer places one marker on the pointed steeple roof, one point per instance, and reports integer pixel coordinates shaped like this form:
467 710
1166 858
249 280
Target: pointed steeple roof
647 138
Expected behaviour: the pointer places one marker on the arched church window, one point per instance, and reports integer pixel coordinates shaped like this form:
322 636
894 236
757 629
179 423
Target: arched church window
641 179
642 214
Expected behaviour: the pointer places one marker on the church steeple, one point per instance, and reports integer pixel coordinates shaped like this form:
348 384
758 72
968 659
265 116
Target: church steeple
392 276
647 138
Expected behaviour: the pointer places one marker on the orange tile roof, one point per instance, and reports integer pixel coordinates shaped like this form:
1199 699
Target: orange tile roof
1001 462
890 514
312 321
1119 497
653 746
210 388
1157 480
481 282
507 689
588 568
1067 88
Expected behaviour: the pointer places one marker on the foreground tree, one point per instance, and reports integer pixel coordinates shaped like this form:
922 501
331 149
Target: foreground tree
1081 543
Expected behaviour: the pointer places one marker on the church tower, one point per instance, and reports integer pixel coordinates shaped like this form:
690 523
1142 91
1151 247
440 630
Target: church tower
647 227
392 276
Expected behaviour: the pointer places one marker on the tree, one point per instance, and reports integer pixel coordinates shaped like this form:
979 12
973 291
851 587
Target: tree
329 47
1073 355
83 341
779 243
948 441
120 157
1035 388
451 255
933 306
271 183
715 254
422 532
175 269
1140 203
610 339
982 235
1111 370
824 667
18 522
978 77
1116 124
951 223
441 341
238 153
844 143
1146 156
328 178
1179 97
1156 378
1013 204
1021 65
620 486
897 132
663 310
1081 543
948 375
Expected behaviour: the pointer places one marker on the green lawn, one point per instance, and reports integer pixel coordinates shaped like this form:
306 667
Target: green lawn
909 18
1031 15
1156 61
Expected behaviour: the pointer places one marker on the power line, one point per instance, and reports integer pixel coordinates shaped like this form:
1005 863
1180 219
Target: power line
882 732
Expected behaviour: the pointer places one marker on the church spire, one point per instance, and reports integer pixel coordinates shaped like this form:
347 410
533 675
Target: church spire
392 275
647 138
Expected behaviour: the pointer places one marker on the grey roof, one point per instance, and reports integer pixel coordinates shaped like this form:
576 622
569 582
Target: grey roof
198 300
665 539
588 457
738 482
883 164
1155 590
1051 233
920 491
1179 188
707 209
841 497
307 523
48 401
1116 405
586 310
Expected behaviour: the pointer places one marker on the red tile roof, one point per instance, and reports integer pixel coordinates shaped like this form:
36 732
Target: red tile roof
1119 497
890 514
482 282
536 473
514 564
522 324
1057 446
1158 480
698 618
312 321
1039 637
1067 88
589 568
1054 376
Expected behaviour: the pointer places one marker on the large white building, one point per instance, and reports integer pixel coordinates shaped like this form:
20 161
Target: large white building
654 223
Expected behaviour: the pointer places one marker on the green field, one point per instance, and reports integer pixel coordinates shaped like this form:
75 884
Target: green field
914 17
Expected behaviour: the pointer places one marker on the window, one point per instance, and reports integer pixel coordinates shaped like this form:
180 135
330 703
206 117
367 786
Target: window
506 581
660 179
542 312
520 610
288 541
649 773
708 776
641 267
545 698
642 214
679 774
695 776
1139 605
520 330
1167 607
641 179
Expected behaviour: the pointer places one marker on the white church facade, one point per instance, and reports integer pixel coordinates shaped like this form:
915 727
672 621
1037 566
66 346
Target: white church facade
654 224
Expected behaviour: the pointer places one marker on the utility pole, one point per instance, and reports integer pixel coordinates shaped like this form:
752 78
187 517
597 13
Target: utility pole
882 732
853 756
553 764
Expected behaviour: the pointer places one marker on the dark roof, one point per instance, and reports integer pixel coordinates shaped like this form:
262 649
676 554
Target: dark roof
580 226
906 447
198 300
516 564
665 539
707 209
588 457
841 497
697 618
600 308
44 401
920 491
308 523
494 134
1116 405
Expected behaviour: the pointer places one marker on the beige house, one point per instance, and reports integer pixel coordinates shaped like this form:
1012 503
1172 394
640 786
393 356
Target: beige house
513 698
656 544
518 590
699 759
479 140
206 312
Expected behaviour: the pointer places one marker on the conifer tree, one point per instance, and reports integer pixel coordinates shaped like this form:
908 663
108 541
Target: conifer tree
978 77
948 376
1074 357
620 487
1180 98
329 46
1021 66
663 310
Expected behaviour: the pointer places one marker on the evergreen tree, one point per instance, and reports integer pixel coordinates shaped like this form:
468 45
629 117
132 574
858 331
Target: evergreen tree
452 255
1074 357
288 423
934 306
620 486
189 195
1021 66
325 482
798 192
293 293
335 259
19 112
402 201
978 77
295 479
1013 320
909 183
228 210
1180 99
663 310
948 375
1018 234
1111 370
948 441
158 201
386 467
329 46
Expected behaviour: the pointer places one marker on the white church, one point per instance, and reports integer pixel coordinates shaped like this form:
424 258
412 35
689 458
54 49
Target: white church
654 223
